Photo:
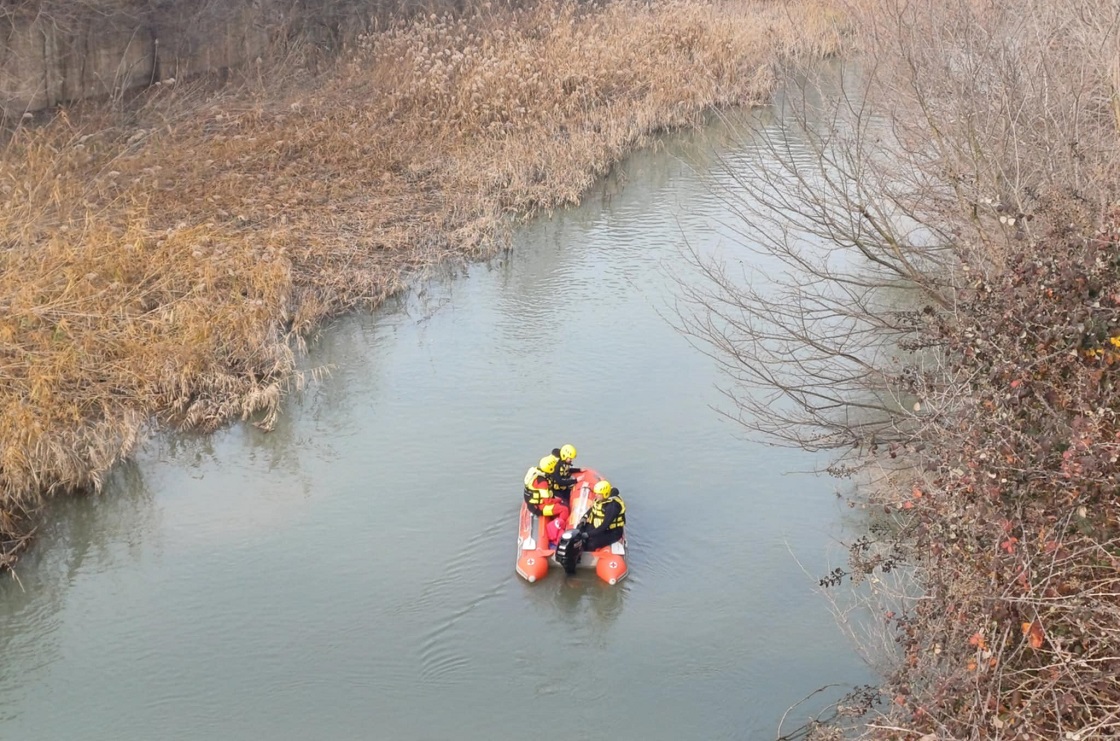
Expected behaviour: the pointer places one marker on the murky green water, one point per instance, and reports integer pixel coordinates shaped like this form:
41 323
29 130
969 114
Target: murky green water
351 574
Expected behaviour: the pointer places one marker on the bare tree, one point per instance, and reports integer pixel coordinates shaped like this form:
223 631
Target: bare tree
930 262
894 183
836 268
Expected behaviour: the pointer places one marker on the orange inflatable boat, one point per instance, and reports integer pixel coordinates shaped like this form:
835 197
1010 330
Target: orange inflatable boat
535 555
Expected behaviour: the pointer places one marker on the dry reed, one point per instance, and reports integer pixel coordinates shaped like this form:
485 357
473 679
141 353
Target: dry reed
165 270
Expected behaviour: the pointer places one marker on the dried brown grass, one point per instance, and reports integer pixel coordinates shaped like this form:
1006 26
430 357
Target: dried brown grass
164 270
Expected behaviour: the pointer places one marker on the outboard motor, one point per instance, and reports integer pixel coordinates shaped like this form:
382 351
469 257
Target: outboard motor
569 549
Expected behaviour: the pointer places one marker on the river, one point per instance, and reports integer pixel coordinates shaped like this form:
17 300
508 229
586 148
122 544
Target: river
350 575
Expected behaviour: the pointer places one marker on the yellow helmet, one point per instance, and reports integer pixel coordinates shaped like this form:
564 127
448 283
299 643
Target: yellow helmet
548 463
602 488
568 453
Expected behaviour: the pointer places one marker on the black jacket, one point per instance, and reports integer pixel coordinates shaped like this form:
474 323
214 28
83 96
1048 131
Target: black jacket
611 511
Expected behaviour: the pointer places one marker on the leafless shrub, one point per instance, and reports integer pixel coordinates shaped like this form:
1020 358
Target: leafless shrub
934 281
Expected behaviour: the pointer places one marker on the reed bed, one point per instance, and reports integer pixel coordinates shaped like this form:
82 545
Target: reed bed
163 265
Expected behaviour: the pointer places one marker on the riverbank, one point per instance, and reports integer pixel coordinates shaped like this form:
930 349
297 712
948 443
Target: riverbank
958 347
164 265
993 232
1011 514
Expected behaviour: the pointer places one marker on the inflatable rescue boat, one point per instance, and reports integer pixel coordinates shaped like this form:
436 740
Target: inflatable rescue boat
535 554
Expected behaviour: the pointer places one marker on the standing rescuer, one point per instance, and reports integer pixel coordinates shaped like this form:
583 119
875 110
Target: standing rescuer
605 520
539 490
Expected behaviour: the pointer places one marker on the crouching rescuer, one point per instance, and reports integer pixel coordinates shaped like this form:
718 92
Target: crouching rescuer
606 519
539 487
602 525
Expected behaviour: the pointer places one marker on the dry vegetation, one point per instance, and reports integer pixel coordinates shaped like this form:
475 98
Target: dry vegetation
162 264
949 219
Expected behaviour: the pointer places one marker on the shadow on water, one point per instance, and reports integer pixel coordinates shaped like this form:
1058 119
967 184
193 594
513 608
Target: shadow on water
84 534
106 529
585 597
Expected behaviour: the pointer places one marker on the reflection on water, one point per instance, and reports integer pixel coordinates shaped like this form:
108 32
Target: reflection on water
350 574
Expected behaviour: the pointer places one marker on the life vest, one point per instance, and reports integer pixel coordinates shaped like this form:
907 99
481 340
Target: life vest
537 486
563 469
595 515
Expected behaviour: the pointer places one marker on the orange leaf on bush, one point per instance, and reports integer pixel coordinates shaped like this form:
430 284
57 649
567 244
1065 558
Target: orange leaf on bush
1033 632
